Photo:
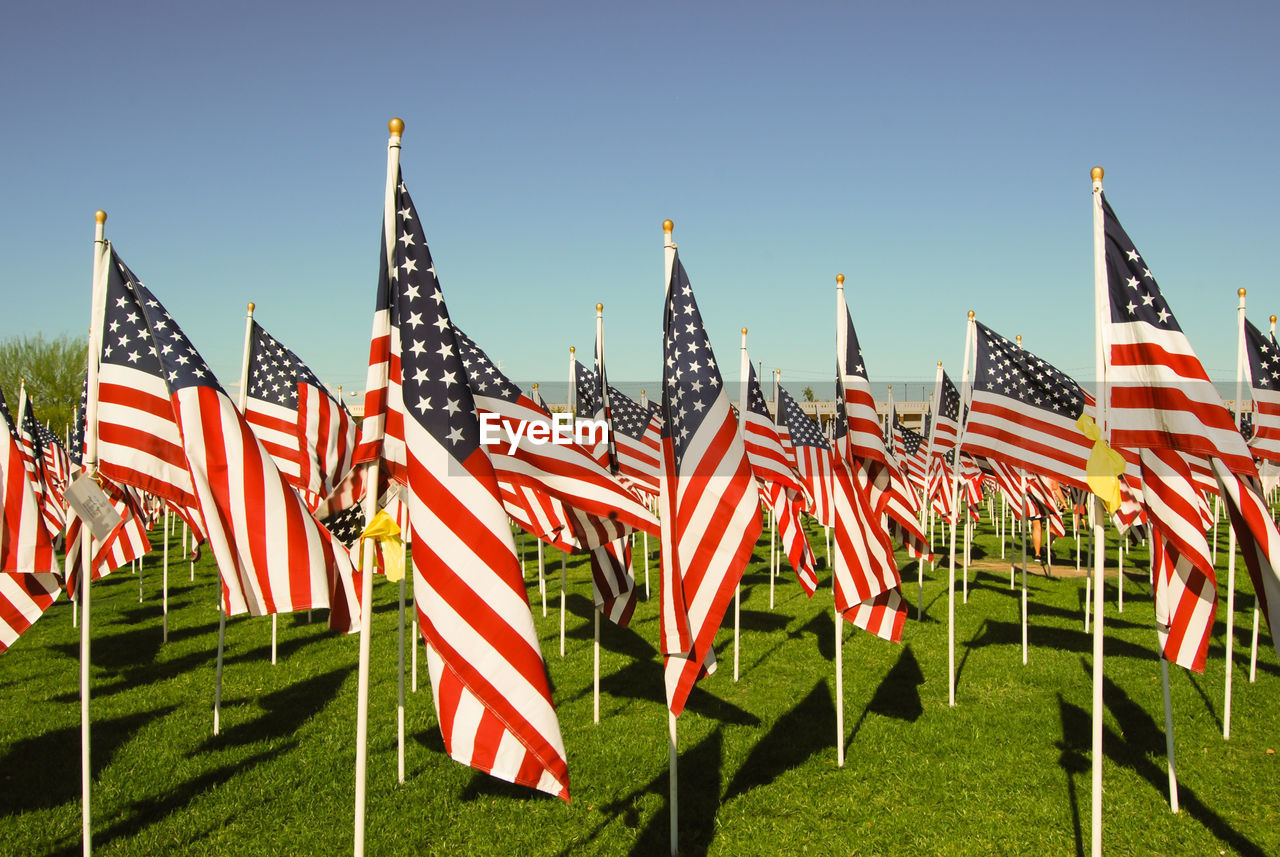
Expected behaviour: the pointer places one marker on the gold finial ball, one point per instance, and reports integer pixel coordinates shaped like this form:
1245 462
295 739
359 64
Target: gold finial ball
1273 319
535 386
572 350
939 364
971 315
250 306
599 307
744 331
840 279
396 126
667 226
100 216
1097 173
1240 292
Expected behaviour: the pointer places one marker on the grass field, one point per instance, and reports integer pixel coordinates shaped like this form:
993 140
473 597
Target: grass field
1004 772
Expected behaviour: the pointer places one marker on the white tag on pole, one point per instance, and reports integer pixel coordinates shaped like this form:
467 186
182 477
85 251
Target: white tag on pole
92 506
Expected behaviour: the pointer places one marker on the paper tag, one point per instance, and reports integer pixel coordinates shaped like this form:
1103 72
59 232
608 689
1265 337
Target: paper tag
92 506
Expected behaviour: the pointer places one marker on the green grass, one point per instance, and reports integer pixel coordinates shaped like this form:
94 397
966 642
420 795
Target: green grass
1004 772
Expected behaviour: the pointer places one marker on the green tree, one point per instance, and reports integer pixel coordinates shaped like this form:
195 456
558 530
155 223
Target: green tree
807 392
53 370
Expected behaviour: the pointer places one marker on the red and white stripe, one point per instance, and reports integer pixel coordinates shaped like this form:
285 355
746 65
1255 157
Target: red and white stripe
25 544
23 600
139 442
710 524
272 554
864 571
786 506
1257 535
489 681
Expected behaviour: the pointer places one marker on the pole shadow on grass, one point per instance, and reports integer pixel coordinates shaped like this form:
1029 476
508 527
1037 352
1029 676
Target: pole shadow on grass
49 763
154 810
996 633
142 676
802 732
698 777
284 710
644 680
1140 747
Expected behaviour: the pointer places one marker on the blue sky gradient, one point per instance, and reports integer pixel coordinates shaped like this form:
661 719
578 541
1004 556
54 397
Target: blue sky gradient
936 153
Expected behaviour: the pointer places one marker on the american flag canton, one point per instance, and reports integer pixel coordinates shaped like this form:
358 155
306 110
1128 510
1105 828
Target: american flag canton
126 339
585 390
433 379
692 377
275 371
949 406
804 431
911 439
627 416
1264 357
8 419
755 397
140 333
485 378
1134 293
1007 370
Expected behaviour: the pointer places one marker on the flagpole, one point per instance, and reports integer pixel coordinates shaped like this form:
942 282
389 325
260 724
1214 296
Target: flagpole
743 370
955 510
396 128
644 401
542 568
164 602
842 344
934 398
595 619
101 258
1230 642
669 259
1101 303
773 517
573 410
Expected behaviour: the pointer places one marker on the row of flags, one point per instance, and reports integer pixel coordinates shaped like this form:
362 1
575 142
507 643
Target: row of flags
275 484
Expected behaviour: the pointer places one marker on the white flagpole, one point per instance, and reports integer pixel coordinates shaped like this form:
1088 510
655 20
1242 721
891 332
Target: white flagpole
955 512
669 259
595 623
1022 473
1168 724
644 402
1230 642
542 568
573 410
842 314
164 602
395 128
400 688
743 371
1101 302
101 258
1120 572
775 559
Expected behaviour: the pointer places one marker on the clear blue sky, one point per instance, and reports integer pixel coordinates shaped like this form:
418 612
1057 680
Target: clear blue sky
936 153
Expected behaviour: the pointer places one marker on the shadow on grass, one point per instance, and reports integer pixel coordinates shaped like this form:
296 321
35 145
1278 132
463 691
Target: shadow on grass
996 633
285 645
152 811
802 732
284 710
698 778
1139 747
142 676
643 680
43 772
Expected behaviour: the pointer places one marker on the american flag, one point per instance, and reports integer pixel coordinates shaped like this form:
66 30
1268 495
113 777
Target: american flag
865 437
57 465
710 504
139 442
29 579
550 486
637 442
909 447
1264 380
769 460
31 438
25 544
127 541
864 573
493 699
1024 411
944 427
1163 404
783 488
814 458
272 555
305 428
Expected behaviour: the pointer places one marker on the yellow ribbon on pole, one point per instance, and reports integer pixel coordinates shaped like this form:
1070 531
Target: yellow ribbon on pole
383 530
1102 472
